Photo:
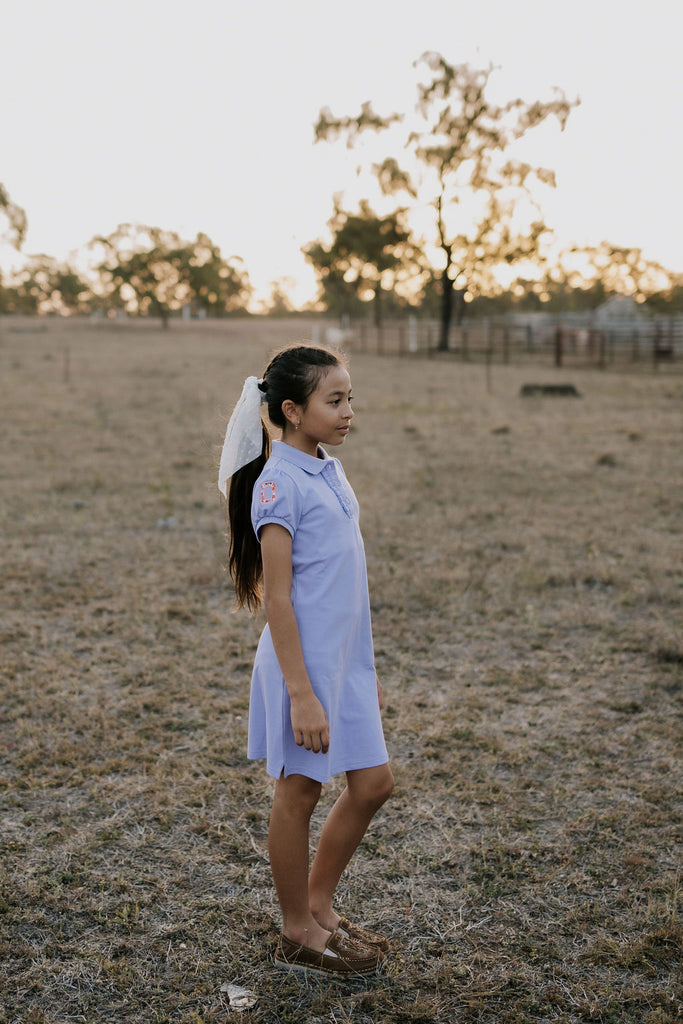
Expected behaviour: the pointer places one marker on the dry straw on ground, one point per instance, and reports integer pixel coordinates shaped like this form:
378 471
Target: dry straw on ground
526 574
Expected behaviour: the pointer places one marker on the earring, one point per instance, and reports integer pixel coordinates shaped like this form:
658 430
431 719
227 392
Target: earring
297 426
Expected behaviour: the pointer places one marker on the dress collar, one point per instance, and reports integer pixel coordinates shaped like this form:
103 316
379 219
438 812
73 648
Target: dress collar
309 463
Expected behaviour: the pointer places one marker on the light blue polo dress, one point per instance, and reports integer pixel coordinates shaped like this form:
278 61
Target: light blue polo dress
313 500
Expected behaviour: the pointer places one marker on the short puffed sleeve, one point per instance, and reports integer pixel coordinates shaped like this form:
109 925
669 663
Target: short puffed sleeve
276 499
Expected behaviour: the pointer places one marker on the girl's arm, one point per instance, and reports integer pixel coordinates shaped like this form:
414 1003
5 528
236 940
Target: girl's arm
309 721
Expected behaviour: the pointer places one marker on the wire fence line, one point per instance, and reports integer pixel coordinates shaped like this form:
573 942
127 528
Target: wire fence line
563 340
560 340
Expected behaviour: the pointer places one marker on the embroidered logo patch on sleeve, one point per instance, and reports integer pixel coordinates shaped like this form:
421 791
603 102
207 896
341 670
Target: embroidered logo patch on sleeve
268 492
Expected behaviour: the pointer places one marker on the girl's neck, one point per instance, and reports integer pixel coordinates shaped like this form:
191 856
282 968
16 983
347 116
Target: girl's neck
309 448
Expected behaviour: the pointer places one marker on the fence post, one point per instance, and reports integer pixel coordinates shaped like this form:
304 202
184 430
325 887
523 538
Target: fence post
657 346
413 341
602 348
488 354
488 336
558 346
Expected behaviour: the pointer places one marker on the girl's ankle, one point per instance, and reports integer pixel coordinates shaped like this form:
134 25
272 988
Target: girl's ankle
327 919
315 937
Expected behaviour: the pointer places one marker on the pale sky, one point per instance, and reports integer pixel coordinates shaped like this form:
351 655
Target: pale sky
199 116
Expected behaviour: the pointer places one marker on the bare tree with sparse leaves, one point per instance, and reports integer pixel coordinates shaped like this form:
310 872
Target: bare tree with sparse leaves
484 212
14 231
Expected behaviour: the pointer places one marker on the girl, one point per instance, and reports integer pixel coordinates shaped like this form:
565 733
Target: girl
315 698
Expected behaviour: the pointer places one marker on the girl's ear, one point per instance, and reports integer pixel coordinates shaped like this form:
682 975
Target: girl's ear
290 411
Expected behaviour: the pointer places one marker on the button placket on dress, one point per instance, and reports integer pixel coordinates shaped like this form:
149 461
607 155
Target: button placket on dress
331 478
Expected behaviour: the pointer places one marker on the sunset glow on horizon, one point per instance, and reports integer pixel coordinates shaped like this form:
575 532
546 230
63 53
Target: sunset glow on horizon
204 122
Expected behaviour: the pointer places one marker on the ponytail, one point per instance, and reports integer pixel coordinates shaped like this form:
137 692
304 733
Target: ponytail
244 557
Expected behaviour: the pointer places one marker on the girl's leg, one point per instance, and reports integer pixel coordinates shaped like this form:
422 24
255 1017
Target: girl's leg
366 790
294 801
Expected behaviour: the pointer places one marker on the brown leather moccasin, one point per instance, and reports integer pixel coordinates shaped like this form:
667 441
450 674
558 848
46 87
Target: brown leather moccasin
342 956
364 935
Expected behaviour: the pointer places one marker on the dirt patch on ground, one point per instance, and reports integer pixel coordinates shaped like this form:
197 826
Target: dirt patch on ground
526 578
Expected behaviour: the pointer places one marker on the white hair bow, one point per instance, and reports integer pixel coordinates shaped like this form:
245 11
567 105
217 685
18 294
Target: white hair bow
244 437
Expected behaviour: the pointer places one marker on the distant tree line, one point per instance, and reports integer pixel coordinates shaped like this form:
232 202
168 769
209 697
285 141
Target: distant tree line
141 270
468 234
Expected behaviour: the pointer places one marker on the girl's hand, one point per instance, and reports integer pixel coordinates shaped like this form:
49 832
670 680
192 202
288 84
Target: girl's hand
380 694
309 723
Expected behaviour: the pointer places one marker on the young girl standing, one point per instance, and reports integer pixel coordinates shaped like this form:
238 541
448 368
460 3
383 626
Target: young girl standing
315 698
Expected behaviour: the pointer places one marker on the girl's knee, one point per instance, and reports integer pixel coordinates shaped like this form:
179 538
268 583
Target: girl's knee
298 793
371 786
386 786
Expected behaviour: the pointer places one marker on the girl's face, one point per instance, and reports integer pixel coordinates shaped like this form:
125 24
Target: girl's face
327 416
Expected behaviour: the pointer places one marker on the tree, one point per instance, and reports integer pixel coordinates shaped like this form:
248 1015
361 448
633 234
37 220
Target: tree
367 254
218 285
669 301
620 270
148 270
582 277
15 231
337 294
279 302
44 285
484 216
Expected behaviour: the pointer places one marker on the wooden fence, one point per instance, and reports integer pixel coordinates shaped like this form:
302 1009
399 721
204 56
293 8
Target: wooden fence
560 341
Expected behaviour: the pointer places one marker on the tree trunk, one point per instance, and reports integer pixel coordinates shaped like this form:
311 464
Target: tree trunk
459 295
377 305
446 311
164 312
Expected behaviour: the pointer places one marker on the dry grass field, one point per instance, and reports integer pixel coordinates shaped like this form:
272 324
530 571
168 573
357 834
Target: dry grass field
526 573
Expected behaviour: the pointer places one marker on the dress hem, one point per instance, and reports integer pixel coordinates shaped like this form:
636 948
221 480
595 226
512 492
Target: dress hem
325 777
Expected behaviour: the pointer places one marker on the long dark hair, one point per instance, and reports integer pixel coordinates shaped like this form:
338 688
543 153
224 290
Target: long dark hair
293 373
